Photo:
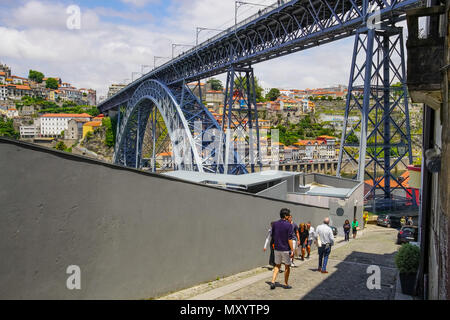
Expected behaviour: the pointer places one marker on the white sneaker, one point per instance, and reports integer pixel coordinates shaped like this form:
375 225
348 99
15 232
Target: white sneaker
293 264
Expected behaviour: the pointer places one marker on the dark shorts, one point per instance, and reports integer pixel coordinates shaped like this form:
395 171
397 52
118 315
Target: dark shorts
355 230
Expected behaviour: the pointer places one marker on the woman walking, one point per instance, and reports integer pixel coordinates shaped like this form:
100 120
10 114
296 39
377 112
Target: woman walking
304 234
311 237
347 230
355 227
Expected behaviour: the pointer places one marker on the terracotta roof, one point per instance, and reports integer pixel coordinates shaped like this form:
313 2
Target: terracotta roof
20 87
93 124
165 154
66 115
394 184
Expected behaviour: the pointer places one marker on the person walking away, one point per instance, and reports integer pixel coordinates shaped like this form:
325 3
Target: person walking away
402 221
355 226
269 241
282 234
304 234
347 228
325 238
311 237
365 218
295 240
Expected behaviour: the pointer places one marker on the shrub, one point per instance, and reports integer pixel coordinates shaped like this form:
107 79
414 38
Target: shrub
407 258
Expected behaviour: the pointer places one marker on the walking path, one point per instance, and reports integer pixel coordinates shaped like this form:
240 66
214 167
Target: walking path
347 277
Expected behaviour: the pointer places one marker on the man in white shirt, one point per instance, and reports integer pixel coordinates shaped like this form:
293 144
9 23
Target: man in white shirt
325 237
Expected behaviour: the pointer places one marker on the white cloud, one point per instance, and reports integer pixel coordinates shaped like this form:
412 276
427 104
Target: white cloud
138 3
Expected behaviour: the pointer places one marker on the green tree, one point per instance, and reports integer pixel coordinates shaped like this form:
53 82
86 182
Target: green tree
216 84
61 146
273 94
110 137
7 129
242 81
35 76
51 83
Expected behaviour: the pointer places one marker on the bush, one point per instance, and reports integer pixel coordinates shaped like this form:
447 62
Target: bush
407 258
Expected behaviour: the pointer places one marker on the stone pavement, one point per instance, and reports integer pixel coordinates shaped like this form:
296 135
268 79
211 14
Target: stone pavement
347 277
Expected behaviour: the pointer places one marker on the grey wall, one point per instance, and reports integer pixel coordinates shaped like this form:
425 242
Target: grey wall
278 191
134 235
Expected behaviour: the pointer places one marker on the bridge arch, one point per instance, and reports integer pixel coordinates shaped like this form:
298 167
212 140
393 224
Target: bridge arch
130 134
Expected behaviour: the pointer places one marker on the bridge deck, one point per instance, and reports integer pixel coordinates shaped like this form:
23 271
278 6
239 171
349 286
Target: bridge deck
284 28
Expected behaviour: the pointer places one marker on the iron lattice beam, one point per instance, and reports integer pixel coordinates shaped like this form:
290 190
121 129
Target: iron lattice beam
240 121
377 93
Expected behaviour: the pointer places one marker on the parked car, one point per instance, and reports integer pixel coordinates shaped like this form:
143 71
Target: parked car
335 231
387 220
407 234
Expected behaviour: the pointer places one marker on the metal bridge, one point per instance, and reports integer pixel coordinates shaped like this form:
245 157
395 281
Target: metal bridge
280 29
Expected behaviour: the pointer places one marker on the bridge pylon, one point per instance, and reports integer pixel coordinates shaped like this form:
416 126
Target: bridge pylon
240 121
373 146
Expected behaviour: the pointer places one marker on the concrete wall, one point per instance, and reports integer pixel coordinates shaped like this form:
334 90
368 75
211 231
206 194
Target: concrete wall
278 191
134 235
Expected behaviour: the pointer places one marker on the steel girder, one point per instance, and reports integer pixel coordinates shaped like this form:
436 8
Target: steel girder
240 120
289 27
195 135
179 114
377 92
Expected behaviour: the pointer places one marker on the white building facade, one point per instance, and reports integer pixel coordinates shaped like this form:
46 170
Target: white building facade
54 124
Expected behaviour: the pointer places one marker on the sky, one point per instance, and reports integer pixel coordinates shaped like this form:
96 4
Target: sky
117 37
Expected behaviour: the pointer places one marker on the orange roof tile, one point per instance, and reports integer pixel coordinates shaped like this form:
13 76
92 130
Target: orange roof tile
93 124
66 115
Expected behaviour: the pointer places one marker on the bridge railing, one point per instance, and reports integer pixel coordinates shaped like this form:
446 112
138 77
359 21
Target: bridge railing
231 29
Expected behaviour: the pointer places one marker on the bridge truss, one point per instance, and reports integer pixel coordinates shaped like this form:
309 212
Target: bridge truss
281 29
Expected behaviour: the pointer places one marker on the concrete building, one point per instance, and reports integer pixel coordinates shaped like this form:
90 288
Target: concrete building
30 131
52 124
90 127
115 88
17 91
214 98
3 92
74 129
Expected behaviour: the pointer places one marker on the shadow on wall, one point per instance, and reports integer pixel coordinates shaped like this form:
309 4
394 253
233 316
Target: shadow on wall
348 280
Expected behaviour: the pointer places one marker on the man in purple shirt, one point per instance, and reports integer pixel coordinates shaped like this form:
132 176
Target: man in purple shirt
282 235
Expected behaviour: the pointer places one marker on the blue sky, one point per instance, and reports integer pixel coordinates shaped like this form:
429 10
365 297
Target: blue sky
117 37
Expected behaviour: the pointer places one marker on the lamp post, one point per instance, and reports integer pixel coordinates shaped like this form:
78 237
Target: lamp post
238 4
200 29
174 45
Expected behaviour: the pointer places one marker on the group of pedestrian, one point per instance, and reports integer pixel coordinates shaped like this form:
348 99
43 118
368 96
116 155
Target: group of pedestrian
354 226
408 222
285 237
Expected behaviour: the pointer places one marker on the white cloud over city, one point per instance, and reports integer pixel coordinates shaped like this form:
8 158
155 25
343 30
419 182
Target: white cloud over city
112 43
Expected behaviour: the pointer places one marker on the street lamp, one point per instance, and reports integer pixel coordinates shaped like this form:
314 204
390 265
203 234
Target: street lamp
174 45
238 4
200 29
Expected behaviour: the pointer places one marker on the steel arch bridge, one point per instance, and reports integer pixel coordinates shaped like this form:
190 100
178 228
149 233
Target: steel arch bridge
281 29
